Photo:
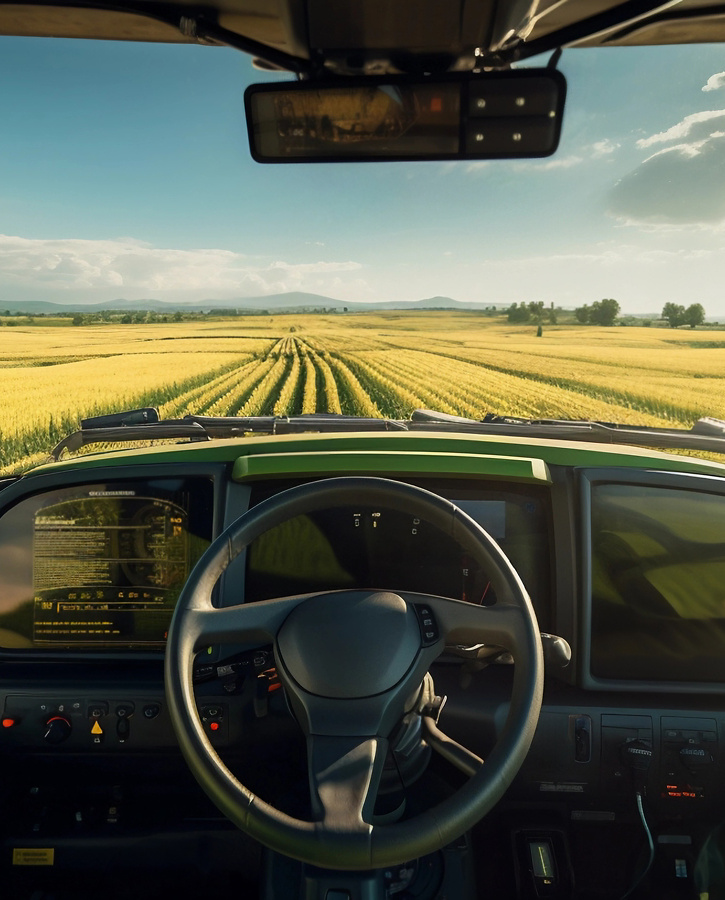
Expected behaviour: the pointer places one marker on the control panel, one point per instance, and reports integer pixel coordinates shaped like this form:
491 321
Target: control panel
689 749
84 723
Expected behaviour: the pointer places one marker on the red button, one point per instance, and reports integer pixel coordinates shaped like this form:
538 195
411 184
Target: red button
214 726
8 723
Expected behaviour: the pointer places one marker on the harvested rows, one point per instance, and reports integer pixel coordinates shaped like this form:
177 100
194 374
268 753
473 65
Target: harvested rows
644 376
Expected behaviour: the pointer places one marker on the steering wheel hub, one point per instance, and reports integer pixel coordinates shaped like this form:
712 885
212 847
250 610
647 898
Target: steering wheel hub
350 644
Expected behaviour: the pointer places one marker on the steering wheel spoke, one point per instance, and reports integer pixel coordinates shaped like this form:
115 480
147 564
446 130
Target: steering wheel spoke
344 774
248 623
459 622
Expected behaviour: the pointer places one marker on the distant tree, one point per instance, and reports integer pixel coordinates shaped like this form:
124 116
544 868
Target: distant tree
126 319
517 315
695 315
674 313
604 312
77 320
178 316
553 319
540 331
583 314
536 309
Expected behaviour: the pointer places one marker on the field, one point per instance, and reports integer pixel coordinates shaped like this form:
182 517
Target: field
363 364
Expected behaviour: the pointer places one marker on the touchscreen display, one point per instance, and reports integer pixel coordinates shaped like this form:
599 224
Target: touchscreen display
102 565
658 583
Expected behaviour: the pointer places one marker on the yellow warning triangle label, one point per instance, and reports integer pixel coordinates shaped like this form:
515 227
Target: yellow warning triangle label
96 729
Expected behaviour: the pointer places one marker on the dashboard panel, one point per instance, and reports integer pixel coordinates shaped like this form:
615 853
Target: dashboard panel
377 547
75 547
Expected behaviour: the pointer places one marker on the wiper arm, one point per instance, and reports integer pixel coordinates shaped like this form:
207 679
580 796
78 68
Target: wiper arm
706 434
144 425
122 434
234 426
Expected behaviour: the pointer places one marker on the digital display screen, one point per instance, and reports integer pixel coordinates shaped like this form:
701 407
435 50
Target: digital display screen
658 583
384 120
378 548
542 863
100 566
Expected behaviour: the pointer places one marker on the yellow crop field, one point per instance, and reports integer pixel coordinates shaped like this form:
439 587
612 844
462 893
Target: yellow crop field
369 364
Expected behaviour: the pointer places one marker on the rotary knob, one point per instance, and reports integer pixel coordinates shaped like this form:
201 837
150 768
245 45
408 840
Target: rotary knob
57 729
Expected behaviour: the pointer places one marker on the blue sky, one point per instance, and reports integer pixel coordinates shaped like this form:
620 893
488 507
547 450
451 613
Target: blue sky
125 173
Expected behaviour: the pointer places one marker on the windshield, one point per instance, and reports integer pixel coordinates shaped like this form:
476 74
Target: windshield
146 259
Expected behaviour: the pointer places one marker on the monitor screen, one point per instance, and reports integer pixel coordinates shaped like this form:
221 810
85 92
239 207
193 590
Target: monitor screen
99 566
657 574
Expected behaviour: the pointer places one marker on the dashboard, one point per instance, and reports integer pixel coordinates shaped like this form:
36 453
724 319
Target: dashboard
626 563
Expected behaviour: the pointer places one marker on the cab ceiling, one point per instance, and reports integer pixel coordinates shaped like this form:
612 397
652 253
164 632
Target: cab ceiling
363 34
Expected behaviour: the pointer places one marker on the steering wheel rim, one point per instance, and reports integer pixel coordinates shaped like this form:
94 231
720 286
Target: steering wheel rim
340 841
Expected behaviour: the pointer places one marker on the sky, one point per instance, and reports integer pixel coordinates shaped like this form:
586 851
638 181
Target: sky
125 173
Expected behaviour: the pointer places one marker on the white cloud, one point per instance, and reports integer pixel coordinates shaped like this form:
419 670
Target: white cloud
715 82
685 128
603 148
682 183
130 268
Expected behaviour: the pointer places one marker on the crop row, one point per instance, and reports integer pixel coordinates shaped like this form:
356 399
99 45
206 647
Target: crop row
591 390
58 411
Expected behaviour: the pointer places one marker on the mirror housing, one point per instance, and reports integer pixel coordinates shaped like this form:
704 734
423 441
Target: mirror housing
514 114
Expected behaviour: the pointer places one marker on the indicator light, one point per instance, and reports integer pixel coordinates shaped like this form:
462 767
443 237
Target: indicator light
214 726
8 723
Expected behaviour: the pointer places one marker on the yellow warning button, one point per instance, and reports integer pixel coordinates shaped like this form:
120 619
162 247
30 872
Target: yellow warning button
33 856
96 729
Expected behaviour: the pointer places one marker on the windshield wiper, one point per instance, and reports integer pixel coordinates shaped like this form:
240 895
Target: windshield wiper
706 434
145 425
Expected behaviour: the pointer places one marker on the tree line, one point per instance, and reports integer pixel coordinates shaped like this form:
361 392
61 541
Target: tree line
601 312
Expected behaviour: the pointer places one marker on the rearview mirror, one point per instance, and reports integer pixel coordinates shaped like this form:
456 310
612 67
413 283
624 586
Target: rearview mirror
504 115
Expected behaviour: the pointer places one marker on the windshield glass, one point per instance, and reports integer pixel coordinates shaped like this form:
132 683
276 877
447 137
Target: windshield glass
146 260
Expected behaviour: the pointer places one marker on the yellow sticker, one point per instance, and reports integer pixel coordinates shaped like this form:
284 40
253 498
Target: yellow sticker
96 729
33 856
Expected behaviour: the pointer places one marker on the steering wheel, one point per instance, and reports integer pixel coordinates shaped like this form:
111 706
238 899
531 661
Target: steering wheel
352 664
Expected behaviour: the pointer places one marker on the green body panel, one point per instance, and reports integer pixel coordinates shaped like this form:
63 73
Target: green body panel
445 446
339 462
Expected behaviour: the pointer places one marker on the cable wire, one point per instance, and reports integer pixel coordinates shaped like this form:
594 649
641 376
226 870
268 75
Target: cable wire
651 859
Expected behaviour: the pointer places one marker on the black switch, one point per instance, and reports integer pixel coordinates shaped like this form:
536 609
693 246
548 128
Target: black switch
582 739
123 729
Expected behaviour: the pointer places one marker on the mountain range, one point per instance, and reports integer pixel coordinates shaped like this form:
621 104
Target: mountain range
291 301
